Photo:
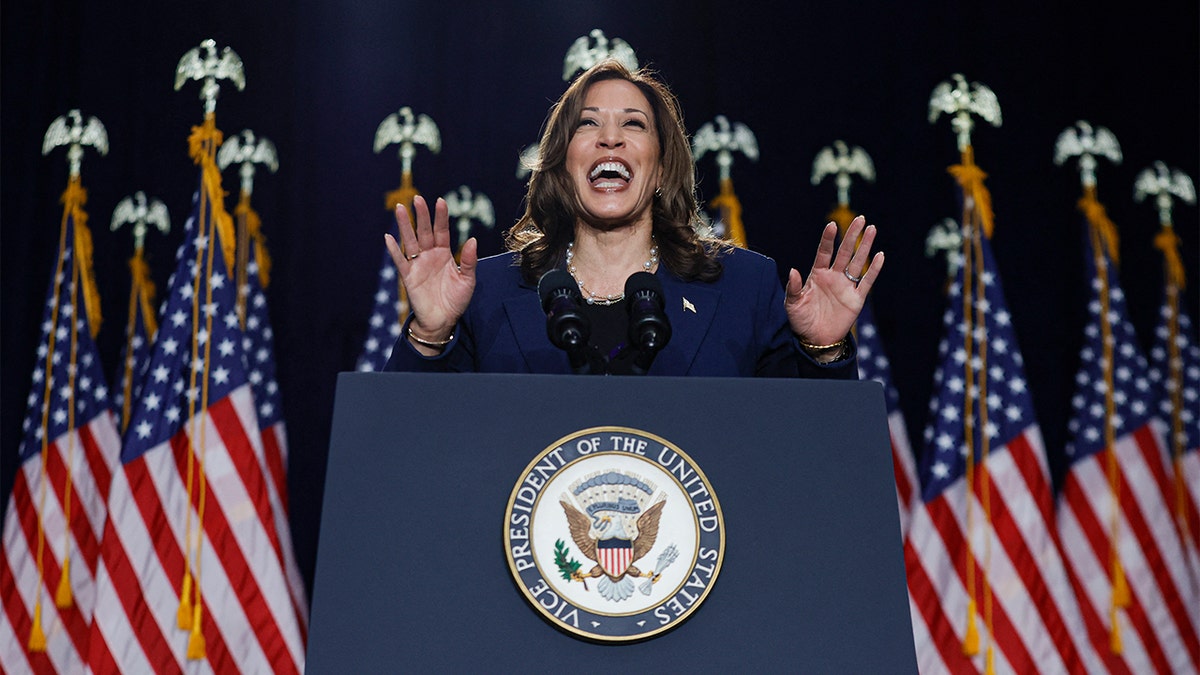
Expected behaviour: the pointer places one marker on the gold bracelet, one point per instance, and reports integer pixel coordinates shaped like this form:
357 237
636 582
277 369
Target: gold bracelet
429 343
819 348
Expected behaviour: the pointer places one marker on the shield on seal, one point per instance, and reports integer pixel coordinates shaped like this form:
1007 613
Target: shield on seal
614 555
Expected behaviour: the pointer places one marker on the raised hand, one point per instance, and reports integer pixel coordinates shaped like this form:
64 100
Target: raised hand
439 288
823 309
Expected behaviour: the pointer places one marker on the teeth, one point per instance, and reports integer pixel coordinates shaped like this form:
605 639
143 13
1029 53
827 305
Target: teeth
613 167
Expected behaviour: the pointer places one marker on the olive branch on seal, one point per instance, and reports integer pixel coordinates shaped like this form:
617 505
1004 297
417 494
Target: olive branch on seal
568 568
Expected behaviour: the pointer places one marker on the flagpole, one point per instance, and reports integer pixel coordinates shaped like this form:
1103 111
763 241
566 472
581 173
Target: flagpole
75 137
1165 185
961 102
213 228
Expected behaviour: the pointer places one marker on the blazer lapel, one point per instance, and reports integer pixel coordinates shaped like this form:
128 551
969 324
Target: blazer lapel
528 324
690 309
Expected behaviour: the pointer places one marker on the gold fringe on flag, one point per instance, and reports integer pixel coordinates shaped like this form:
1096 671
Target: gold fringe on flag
1098 219
249 233
731 213
977 218
970 177
254 232
1103 236
202 147
73 199
203 144
141 299
82 283
1174 282
1168 242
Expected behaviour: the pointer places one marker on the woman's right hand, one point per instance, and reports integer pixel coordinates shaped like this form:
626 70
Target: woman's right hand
438 287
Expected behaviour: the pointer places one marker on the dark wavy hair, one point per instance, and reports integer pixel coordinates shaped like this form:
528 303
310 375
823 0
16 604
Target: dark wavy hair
541 235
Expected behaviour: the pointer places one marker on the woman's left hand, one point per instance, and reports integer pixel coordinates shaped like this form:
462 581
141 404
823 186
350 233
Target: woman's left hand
823 309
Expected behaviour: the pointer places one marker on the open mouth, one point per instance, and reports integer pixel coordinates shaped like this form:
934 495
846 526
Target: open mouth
610 175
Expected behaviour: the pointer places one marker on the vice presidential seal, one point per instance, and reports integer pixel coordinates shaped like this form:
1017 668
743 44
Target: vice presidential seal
614 534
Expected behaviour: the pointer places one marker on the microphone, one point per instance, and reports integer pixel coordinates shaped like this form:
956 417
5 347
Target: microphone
566 325
649 329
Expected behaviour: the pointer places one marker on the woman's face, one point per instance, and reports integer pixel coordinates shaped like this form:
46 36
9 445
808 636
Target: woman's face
613 158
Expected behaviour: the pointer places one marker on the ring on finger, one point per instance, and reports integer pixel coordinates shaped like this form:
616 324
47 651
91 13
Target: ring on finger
413 256
845 271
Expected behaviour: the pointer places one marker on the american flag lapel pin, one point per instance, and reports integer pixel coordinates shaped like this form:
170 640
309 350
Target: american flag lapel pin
688 306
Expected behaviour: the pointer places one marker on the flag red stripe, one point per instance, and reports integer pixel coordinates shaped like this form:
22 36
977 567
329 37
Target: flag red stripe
100 465
925 598
19 617
100 658
1004 634
276 463
1153 458
1097 634
1027 460
1023 560
226 545
1097 536
244 458
81 526
72 619
125 579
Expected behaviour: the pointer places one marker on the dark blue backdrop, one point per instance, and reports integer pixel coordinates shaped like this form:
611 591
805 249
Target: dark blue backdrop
321 76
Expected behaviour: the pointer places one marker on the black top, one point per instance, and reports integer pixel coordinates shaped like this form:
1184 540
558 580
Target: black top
610 334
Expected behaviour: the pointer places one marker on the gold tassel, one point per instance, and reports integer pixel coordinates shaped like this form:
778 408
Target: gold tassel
842 215
990 668
1168 242
970 645
1120 591
37 639
970 177
62 596
402 195
1096 216
183 617
731 212
196 646
254 228
140 272
1114 634
202 145
73 199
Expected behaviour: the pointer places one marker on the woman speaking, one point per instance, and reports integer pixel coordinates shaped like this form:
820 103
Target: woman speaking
611 202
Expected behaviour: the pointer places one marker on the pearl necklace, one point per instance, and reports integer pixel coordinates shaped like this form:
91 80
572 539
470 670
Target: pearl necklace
611 299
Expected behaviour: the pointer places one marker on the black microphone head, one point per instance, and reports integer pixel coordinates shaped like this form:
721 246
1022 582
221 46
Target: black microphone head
644 285
649 328
555 284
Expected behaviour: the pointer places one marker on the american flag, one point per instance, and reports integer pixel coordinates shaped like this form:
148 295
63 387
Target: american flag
1175 372
873 365
258 344
987 585
139 338
192 572
56 512
1114 515
391 306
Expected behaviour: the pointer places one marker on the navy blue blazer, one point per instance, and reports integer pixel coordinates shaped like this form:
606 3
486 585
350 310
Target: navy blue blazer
733 327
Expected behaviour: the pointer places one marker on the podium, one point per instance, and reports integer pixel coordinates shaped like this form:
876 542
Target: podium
412 573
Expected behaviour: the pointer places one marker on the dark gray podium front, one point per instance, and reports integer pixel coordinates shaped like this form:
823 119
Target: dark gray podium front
411 571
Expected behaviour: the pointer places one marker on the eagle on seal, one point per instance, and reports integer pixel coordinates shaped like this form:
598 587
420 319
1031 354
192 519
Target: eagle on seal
605 540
